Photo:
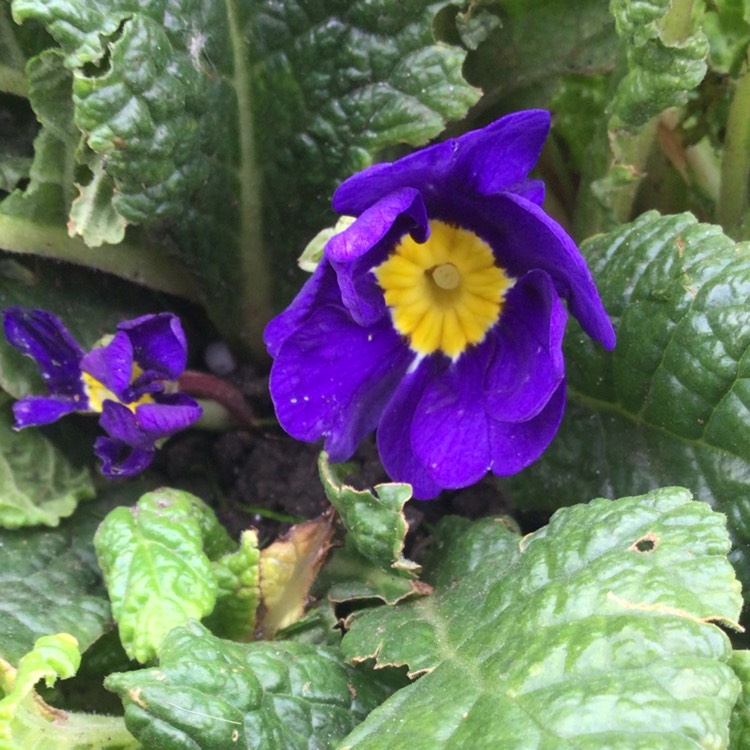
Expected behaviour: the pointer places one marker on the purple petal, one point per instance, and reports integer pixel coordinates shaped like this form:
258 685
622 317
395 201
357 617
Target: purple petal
514 446
481 162
120 423
40 335
525 238
526 366
320 289
112 364
394 432
349 252
40 410
333 378
172 413
159 343
120 460
449 430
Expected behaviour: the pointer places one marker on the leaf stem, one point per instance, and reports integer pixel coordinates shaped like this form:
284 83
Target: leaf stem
677 22
735 164
135 262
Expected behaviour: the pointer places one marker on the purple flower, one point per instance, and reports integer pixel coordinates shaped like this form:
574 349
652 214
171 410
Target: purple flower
130 379
436 318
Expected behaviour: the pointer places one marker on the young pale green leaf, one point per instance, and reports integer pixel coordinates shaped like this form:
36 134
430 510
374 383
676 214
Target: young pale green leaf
27 722
207 114
666 58
238 578
155 568
670 404
213 694
38 483
739 729
597 631
375 523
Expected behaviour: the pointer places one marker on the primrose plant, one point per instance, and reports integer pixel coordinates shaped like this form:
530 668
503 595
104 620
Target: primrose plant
525 324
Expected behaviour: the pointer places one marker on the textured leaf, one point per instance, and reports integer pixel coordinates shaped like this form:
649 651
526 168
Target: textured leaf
666 53
670 404
375 522
27 722
155 568
739 734
217 695
597 632
38 483
288 568
206 113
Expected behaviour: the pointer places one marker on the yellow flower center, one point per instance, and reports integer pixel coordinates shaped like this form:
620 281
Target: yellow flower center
446 293
97 393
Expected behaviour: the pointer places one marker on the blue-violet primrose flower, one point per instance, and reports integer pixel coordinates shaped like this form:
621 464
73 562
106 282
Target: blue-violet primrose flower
436 317
129 378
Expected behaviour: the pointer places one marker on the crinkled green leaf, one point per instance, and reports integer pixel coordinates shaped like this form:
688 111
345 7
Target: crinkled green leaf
598 632
207 113
739 729
238 579
375 523
666 57
50 580
155 568
216 695
670 404
38 483
27 722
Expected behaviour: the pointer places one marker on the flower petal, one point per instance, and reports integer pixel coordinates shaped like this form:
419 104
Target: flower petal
171 413
40 335
159 343
120 423
481 162
394 432
378 228
525 238
121 460
36 410
333 378
449 431
111 364
516 445
526 366
320 289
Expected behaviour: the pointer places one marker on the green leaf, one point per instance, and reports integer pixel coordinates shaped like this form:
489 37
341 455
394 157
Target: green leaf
550 645
210 693
739 729
38 483
666 57
669 405
375 522
51 581
27 722
207 114
155 568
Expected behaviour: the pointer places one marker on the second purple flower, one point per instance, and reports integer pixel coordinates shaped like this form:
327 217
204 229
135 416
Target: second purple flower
437 316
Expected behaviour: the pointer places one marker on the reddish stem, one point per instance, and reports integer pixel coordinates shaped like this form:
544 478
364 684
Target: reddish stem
205 385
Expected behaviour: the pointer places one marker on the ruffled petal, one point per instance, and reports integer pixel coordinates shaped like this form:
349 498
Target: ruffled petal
121 460
449 431
394 432
333 378
526 366
172 413
112 364
40 335
320 289
525 238
120 423
481 162
37 410
159 344
378 229
516 445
